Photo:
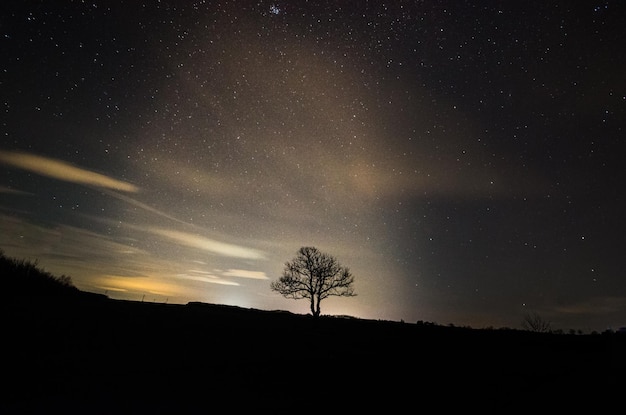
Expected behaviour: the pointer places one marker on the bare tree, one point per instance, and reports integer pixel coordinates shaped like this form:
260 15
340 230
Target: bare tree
534 322
316 276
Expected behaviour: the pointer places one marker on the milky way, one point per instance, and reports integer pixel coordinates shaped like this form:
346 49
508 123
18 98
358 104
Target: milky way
463 160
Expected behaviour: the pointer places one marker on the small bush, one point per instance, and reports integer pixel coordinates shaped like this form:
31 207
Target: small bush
21 277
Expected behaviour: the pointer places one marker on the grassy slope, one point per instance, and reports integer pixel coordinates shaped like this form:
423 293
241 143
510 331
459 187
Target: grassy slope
89 354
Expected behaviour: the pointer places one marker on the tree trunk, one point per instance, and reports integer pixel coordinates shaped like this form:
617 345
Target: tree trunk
317 308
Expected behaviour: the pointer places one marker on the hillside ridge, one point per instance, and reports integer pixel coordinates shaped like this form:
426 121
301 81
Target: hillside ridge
92 354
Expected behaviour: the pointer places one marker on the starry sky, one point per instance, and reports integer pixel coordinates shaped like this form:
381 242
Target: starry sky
463 159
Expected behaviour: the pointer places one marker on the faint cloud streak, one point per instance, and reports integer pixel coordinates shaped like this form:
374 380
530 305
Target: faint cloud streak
144 207
243 273
63 171
121 283
596 305
206 277
8 190
200 242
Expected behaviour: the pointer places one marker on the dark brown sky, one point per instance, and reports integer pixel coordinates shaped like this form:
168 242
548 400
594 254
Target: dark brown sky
464 160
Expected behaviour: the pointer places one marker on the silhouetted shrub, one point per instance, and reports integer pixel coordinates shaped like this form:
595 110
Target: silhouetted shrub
23 278
535 323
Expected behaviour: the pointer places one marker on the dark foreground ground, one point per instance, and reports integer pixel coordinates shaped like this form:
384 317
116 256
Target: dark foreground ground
100 356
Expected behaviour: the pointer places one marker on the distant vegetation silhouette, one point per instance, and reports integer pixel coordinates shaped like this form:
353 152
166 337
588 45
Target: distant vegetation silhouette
314 275
130 357
535 323
24 278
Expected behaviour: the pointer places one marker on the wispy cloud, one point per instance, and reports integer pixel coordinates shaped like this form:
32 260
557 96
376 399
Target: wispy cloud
200 242
151 285
144 206
61 170
4 189
595 305
243 273
203 276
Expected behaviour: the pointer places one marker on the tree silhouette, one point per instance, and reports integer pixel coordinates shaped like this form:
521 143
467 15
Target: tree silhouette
316 276
534 322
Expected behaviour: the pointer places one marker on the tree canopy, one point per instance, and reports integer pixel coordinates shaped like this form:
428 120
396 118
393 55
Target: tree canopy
314 275
534 322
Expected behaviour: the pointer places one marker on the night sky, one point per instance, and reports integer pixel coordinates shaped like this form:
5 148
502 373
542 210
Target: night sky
463 159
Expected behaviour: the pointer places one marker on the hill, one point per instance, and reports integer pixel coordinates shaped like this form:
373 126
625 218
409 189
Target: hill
91 354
